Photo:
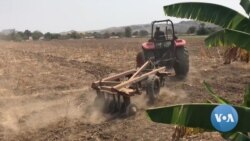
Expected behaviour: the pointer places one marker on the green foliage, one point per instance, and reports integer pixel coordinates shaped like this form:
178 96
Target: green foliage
246 5
229 37
61 37
128 32
13 36
196 115
235 136
207 12
27 34
48 36
186 115
106 35
247 96
113 34
36 35
191 30
136 33
56 36
202 30
214 95
229 19
143 33
74 35
19 36
51 36
238 136
97 35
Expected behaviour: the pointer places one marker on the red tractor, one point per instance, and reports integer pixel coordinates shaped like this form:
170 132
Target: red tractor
165 49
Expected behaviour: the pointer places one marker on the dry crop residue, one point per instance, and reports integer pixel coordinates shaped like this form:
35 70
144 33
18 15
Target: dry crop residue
45 89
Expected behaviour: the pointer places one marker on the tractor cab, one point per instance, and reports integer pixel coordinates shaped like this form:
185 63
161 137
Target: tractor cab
161 42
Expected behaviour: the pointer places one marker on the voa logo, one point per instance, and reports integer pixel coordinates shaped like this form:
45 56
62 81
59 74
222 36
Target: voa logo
224 118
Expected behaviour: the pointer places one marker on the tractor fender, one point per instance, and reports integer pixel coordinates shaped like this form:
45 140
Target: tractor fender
179 43
148 45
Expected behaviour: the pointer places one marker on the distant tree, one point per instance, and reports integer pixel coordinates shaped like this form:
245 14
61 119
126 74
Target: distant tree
61 37
36 35
51 36
88 34
82 35
97 35
48 36
14 36
120 34
143 33
211 29
19 36
106 35
191 30
170 32
55 36
128 31
136 33
27 34
74 35
113 34
202 30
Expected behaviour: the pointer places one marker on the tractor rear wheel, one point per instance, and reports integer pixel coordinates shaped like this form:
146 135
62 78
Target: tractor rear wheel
152 88
181 64
140 59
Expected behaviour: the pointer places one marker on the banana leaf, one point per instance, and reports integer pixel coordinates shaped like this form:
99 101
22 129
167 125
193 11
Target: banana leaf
234 136
207 12
246 6
213 94
196 116
247 96
229 37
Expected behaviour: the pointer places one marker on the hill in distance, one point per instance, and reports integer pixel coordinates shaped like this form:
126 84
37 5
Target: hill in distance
180 27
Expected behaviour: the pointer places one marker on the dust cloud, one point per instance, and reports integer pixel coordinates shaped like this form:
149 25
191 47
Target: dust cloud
92 113
22 113
168 96
30 113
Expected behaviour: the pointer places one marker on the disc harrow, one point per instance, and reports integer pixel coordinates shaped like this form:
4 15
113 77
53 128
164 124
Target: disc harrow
114 92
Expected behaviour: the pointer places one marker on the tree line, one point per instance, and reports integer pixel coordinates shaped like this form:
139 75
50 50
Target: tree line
128 32
37 35
202 30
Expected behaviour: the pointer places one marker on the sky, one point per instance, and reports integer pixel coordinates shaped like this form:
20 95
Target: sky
84 15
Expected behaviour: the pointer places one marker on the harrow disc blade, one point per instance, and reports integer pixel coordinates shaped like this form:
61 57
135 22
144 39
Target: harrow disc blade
114 104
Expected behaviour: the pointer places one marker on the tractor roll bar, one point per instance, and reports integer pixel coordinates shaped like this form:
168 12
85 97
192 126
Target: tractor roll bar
161 21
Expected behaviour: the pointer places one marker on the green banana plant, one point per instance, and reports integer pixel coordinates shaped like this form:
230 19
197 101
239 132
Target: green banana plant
236 26
197 115
234 136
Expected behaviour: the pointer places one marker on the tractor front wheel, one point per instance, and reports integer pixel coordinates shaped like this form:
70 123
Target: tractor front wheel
152 88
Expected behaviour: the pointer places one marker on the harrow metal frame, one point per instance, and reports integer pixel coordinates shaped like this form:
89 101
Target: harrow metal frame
114 84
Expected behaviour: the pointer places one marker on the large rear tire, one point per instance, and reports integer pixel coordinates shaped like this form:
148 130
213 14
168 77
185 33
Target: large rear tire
181 64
